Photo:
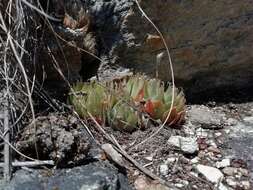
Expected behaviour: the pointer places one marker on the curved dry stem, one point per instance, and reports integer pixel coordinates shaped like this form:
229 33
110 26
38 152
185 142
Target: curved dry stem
40 11
171 70
16 150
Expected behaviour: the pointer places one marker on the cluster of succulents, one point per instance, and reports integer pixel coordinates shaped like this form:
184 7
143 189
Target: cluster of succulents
157 99
121 103
89 99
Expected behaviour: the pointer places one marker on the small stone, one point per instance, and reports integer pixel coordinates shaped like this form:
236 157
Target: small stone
189 128
164 169
113 155
231 182
206 117
224 163
212 143
194 174
195 160
170 160
243 171
201 154
184 160
179 185
184 182
188 167
136 173
188 145
227 131
218 134
149 158
202 133
222 187
229 171
248 120
239 163
231 121
214 149
245 185
238 176
156 186
141 183
212 174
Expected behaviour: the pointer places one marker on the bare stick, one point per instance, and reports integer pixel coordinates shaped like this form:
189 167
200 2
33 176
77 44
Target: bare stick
30 163
7 161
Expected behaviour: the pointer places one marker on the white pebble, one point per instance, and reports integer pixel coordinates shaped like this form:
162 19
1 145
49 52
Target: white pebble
212 174
224 163
164 169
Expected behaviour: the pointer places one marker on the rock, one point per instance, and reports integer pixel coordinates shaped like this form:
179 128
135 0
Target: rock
212 143
222 187
231 121
211 174
157 187
179 185
59 138
170 160
218 134
243 171
240 144
189 128
224 163
92 176
164 169
241 129
195 160
113 155
194 174
202 133
238 176
149 158
202 142
23 179
206 54
188 145
231 182
207 118
230 171
245 185
141 183
248 120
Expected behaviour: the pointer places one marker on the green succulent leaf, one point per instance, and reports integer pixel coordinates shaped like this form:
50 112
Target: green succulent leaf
123 117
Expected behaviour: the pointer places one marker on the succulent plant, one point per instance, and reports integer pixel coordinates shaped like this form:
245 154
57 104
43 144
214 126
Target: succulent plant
90 98
122 104
123 117
156 99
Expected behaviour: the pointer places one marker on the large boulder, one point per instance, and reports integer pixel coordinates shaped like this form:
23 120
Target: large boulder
97 175
210 41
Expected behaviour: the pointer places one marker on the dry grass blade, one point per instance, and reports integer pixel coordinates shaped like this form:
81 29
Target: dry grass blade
40 11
